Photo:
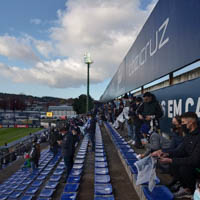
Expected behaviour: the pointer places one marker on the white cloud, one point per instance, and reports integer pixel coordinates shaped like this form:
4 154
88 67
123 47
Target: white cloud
105 28
57 73
17 48
36 21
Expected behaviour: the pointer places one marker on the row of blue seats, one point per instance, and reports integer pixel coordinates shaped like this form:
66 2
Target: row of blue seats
128 155
73 181
102 187
24 183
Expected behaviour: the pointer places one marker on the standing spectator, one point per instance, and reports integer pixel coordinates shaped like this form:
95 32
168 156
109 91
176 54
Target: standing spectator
150 112
68 149
33 157
53 138
91 128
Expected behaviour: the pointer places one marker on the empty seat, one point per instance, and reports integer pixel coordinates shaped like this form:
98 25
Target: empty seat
102 179
76 172
58 172
32 190
47 193
101 171
15 195
159 192
45 172
73 179
79 161
105 197
55 178
68 196
8 191
100 159
51 184
99 151
69 187
77 166
101 164
37 183
3 196
27 197
21 187
27 181
103 189
41 177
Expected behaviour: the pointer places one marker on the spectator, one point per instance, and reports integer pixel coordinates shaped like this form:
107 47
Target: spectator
185 159
53 138
177 132
130 121
137 123
91 128
68 149
33 157
150 112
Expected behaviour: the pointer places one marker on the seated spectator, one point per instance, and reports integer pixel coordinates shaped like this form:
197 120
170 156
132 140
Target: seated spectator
177 132
185 159
155 141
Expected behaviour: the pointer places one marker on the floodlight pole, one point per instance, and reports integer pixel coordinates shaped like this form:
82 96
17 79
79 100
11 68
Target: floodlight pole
88 61
88 86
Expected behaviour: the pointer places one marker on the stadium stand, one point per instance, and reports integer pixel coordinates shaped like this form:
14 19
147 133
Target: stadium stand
102 188
128 158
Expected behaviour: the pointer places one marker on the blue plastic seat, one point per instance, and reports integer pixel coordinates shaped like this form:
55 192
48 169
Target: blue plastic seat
102 179
100 159
43 198
99 151
158 193
37 183
69 196
103 189
3 196
27 181
15 195
80 156
79 161
27 197
51 184
105 197
21 187
55 178
58 172
41 177
32 190
101 171
99 154
60 167
45 172
78 166
47 193
75 172
73 179
71 187
8 191
101 164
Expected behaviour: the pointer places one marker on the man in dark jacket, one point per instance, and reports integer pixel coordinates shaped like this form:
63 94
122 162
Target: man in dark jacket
68 149
91 129
186 158
150 111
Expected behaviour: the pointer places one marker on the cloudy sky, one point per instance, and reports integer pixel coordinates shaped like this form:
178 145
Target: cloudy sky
42 43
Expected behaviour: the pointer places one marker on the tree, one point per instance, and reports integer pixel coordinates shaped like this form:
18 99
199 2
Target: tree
79 104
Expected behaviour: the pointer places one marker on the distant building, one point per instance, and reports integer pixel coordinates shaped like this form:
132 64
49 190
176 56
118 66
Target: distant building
62 111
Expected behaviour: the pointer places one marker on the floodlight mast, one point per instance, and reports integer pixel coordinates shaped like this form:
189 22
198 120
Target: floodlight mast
88 62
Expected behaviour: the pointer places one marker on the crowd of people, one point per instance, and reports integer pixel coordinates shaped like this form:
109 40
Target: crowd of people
178 152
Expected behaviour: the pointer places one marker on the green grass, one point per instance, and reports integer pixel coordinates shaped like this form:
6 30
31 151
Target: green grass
11 134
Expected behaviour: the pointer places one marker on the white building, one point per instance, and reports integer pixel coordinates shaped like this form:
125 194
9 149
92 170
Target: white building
62 111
